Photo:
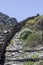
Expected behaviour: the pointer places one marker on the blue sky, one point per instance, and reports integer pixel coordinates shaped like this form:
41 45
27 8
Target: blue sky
21 9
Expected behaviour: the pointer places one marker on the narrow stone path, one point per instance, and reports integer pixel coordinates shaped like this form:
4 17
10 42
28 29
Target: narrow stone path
15 54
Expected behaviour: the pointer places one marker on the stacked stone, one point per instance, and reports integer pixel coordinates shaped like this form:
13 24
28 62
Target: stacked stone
16 54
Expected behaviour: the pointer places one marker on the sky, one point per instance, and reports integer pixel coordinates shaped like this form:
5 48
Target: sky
21 9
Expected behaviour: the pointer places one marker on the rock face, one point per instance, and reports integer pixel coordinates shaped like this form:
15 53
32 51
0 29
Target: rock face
6 30
26 46
17 54
8 27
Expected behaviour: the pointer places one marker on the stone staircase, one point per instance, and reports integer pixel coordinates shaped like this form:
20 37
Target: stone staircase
13 52
5 37
16 54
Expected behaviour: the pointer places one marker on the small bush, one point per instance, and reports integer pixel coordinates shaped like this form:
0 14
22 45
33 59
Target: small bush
33 39
29 63
35 56
32 21
41 63
24 33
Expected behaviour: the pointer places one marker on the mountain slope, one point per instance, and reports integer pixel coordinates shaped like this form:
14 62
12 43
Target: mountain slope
26 47
8 27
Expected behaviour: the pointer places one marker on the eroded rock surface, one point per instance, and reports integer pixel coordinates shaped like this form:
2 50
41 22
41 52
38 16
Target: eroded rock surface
18 55
26 46
8 27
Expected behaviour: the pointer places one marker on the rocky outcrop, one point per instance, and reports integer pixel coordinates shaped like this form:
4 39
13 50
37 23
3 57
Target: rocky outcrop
5 32
21 43
17 54
8 27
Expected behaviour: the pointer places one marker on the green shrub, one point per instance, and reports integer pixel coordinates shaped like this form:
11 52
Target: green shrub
33 39
35 56
29 63
24 33
41 63
32 21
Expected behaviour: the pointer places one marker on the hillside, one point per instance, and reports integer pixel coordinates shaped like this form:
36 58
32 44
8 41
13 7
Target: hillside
32 32
25 46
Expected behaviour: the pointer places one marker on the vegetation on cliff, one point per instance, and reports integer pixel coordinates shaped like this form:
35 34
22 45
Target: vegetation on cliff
31 32
26 45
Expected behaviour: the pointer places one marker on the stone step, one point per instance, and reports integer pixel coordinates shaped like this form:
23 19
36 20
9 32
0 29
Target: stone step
2 40
3 34
13 63
23 59
1 43
16 53
10 50
1 37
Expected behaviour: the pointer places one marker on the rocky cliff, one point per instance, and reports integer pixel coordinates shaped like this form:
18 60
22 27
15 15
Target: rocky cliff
8 27
21 43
